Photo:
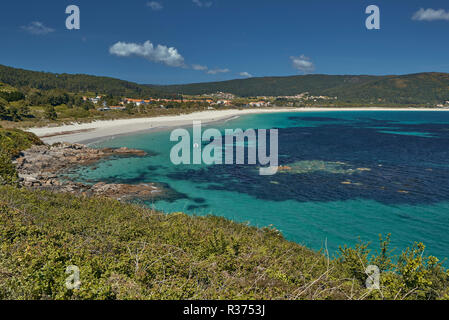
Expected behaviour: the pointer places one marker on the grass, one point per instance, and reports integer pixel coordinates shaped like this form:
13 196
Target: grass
125 251
12 142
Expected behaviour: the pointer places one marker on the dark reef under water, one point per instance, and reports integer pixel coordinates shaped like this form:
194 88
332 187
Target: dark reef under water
396 168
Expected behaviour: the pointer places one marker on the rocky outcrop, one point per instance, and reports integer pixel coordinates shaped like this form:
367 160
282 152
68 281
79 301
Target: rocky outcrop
42 167
144 191
53 159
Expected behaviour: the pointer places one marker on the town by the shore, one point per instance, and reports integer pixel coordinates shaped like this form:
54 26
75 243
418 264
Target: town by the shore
97 130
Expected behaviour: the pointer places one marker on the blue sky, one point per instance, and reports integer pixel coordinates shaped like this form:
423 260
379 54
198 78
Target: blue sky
231 38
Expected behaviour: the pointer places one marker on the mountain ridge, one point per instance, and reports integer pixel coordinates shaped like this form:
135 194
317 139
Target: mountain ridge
416 88
424 87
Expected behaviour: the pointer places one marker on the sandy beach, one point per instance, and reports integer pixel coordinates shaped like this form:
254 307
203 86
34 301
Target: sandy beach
97 130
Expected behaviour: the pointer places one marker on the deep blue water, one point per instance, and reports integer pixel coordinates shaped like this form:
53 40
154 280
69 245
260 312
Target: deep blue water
351 174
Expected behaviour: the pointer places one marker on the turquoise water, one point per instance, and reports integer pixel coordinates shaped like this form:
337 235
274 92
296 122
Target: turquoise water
352 174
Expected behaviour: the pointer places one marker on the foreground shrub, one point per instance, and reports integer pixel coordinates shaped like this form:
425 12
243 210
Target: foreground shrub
12 142
124 251
410 275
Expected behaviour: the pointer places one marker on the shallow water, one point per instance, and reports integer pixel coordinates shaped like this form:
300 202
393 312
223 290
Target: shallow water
349 175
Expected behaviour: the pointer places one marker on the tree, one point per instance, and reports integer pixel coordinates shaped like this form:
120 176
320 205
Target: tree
50 113
57 97
8 173
14 114
3 109
24 110
88 105
12 96
3 113
130 108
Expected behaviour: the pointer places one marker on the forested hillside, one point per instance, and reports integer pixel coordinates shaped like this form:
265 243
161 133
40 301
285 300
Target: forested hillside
37 98
76 83
420 88
271 86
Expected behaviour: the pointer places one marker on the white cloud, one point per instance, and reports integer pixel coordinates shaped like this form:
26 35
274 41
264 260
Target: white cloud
245 74
160 53
201 4
216 71
37 28
431 15
199 67
154 5
303 64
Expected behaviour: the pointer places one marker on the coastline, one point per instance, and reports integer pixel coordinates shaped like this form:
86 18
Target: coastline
97 130
44 167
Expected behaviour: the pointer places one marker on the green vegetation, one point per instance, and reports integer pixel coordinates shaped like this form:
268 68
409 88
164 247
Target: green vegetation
270 86
12 142
8 173
128 252
8 105
423 88
44 107
45 81
27 96
125 251
9 93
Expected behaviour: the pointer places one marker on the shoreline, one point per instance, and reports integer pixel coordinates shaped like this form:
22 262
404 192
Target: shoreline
44 167
99 130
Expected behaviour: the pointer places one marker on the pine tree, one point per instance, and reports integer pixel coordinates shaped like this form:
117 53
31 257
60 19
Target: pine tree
50 113
3 109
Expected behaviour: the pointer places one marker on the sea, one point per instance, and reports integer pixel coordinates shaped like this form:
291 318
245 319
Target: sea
347 176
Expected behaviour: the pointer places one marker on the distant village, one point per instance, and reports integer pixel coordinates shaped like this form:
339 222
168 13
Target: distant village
222 99
213 100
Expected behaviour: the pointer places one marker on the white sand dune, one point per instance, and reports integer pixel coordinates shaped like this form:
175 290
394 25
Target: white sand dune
97 130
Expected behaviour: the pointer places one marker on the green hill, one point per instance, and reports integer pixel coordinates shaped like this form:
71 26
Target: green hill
6 88
75 83
420 88
270 86
9 93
